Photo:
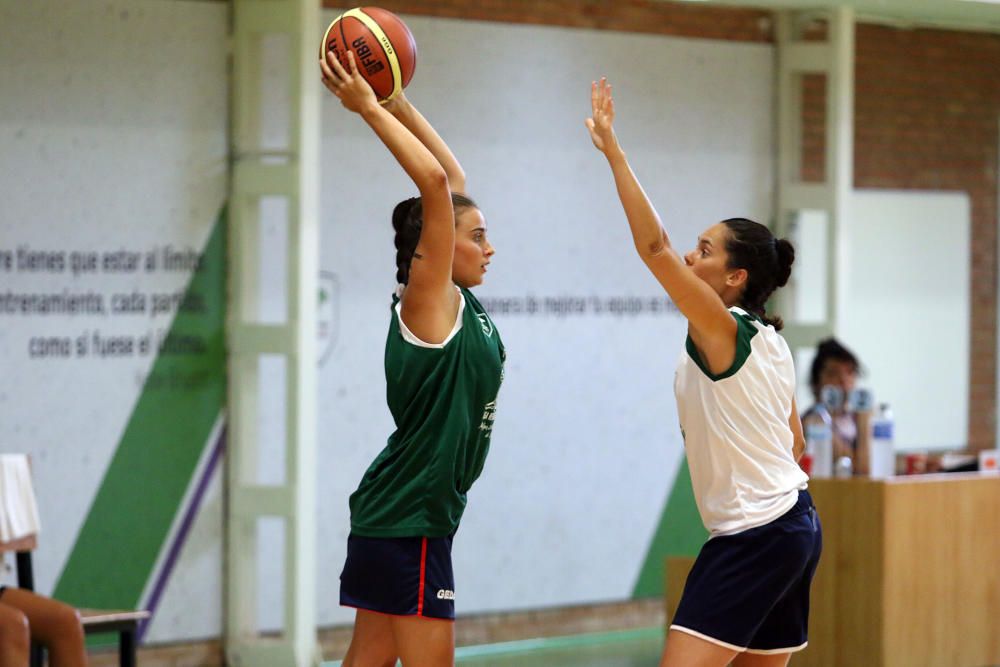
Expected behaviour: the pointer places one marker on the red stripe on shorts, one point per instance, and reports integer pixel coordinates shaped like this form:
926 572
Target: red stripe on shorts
423 569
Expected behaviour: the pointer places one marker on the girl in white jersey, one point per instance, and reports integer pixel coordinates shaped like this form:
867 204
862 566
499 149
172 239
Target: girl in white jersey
746 601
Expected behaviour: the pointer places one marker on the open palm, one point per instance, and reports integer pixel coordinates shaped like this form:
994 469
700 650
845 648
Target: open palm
602 107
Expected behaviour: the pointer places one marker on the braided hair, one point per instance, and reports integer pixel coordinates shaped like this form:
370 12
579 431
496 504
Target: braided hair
766 259
407 221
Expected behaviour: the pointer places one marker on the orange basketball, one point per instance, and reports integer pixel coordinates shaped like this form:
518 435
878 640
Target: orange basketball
383 47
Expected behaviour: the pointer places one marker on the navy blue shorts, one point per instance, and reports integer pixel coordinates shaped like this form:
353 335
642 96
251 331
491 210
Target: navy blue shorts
402 576
750 591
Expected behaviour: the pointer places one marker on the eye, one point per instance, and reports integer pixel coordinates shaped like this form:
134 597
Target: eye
478 237
704 252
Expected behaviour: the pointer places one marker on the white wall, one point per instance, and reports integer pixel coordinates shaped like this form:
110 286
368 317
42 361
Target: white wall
586 442
112 133
112 136
908 309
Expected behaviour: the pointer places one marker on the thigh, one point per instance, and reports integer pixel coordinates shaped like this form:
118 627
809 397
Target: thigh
787 623
761 660
372 644
424 642
12 620
686 650
403 576
737 579
49 619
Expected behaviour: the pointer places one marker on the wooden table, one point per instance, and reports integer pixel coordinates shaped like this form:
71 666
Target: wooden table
910 573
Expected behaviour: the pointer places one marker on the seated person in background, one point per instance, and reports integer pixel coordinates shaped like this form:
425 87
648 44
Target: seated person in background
27 617
833 376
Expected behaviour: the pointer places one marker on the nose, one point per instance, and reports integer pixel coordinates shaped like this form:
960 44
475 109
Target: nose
689 258
488 250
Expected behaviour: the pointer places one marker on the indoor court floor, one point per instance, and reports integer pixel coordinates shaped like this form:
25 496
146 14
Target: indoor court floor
632 648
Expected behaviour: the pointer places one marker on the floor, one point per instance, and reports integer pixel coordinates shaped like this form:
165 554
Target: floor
631 648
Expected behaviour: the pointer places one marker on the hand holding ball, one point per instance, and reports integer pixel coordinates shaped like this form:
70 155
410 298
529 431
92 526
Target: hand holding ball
384 48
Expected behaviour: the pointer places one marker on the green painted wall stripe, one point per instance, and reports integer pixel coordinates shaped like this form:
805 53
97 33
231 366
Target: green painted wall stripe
142 489
680 533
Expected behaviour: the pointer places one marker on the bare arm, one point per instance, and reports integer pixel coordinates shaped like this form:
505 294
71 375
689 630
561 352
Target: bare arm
414 121
430 304
712 327
798 440
863 449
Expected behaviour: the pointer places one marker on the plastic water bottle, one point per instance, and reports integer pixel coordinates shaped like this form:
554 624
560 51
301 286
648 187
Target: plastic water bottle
883 453
843 468
818 430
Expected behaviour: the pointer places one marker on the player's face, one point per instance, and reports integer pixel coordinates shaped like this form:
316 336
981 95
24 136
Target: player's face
709 259
838 373
472 250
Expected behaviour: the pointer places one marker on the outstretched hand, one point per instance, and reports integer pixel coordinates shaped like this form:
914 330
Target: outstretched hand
602 107
349 86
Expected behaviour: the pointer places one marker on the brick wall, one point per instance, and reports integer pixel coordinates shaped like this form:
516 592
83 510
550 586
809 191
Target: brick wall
927 111
927 117
649 16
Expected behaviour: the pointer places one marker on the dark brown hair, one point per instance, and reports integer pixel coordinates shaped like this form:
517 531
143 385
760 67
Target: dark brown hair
766 259
407 220
830 349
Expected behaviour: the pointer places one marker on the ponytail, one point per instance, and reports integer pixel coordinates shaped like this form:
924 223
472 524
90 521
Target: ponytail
767 261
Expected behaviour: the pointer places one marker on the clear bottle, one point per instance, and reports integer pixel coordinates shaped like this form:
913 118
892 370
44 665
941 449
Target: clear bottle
817 427
843 468
883 453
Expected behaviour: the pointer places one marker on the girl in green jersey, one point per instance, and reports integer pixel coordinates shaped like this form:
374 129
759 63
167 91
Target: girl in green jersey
443 365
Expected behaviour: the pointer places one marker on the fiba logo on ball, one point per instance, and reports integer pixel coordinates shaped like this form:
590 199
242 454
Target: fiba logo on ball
368 60
383 46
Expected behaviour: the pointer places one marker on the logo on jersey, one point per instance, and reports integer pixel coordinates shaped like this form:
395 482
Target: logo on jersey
486 323
445 594
489 414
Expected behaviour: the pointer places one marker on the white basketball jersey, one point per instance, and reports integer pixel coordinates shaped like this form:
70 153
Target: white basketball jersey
736 432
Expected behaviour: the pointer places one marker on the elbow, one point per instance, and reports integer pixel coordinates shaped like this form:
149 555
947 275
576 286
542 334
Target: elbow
798 449
652 244
435 180
651 248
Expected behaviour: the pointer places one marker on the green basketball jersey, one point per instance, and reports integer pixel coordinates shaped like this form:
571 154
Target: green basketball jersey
442 399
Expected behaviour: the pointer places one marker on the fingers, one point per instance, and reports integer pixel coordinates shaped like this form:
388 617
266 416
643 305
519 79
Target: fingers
354 64
328 77
325 67
337 67
601 102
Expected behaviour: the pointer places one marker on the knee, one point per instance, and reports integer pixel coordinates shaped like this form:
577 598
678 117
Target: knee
66 620
15 634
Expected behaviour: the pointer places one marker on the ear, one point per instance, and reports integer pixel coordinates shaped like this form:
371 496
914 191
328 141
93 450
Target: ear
737 278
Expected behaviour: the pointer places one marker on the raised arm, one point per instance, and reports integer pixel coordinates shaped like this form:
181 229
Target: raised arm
431 301
711 325
414 121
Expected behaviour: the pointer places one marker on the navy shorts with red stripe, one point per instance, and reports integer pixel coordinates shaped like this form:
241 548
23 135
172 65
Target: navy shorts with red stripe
750 591
402 576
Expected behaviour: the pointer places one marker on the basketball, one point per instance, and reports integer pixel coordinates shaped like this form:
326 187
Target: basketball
383 46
